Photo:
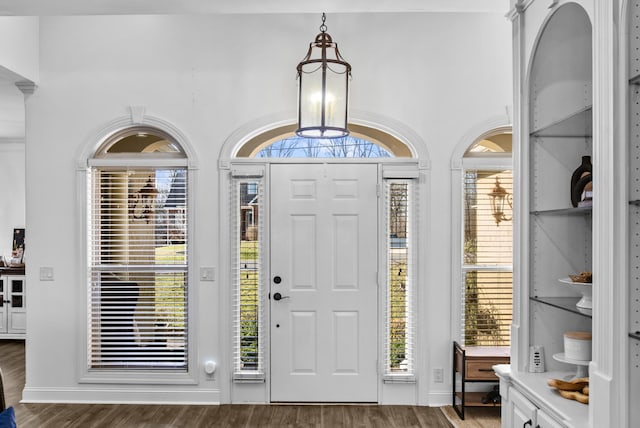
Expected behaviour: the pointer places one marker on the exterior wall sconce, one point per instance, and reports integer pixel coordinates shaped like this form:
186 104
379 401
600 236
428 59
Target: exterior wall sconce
323 89
500 198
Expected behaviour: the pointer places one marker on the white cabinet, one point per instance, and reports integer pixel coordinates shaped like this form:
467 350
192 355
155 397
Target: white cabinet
523 412
13 307
543 420
520 412
558 241
633 144
577 93
528 402
553 132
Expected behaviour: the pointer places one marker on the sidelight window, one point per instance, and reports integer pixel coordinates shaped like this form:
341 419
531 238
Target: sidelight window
247 231
400 273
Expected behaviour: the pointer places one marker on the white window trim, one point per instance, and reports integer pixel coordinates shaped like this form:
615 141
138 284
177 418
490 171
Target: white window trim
237 175
249 167
83 185
407 174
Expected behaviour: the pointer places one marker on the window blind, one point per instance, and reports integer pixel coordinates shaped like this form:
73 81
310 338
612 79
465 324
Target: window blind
246 235
487 279
138 268
399 308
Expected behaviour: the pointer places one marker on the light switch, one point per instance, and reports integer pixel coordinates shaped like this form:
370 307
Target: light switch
46 274
207 274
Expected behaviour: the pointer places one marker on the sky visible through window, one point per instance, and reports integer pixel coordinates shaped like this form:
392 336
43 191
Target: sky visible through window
345 147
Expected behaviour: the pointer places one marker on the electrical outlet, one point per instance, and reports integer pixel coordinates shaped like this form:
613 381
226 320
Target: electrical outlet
438 375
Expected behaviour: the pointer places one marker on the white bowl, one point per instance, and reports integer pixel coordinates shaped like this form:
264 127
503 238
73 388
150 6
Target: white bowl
577 345
582 288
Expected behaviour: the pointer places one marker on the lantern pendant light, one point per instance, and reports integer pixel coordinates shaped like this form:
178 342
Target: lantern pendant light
323 89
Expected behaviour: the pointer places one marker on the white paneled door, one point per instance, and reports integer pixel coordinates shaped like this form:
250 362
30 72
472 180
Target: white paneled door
323 300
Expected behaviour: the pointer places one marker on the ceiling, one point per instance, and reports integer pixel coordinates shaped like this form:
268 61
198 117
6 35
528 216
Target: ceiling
134 7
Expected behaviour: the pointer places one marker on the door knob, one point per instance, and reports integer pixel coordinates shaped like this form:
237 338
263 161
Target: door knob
278 296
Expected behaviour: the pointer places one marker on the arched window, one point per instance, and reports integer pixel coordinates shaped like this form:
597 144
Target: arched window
301 147
138 249
362 142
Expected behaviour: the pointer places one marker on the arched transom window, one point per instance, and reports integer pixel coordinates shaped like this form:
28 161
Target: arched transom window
363 142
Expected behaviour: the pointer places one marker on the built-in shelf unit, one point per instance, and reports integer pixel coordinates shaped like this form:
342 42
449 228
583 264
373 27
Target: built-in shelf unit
555 238
634 208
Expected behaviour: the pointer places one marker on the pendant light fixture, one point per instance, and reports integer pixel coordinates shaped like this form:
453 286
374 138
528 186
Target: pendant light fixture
323 89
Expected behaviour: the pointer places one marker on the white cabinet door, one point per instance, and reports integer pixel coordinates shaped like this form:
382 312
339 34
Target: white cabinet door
17 306
13 306
523 412
4 304
545 421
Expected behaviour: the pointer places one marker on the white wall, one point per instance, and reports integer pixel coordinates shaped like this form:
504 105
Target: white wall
437 74
19 47
12 203
18 62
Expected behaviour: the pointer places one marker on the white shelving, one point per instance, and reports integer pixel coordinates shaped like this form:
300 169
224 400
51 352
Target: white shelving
634 208
577 66
555 131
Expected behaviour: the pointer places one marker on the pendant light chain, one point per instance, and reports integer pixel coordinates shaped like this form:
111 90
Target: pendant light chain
323 26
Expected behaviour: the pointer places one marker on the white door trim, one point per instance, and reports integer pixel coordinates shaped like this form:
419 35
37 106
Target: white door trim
258 392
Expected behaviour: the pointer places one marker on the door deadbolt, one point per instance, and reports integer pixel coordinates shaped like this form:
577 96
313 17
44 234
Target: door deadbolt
277 279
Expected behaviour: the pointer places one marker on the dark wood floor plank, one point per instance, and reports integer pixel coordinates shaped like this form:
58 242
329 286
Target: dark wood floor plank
35 415
376 417
309 416
428 418
333 416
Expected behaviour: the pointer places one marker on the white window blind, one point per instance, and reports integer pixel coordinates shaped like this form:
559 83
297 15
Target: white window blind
487 279
246 235
399 314
138 268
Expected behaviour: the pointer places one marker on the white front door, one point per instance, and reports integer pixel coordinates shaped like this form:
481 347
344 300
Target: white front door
324 244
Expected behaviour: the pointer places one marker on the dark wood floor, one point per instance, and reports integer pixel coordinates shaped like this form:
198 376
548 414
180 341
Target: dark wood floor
148 416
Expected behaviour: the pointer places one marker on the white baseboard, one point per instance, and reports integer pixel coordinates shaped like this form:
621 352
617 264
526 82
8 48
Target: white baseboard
439 399
121 396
